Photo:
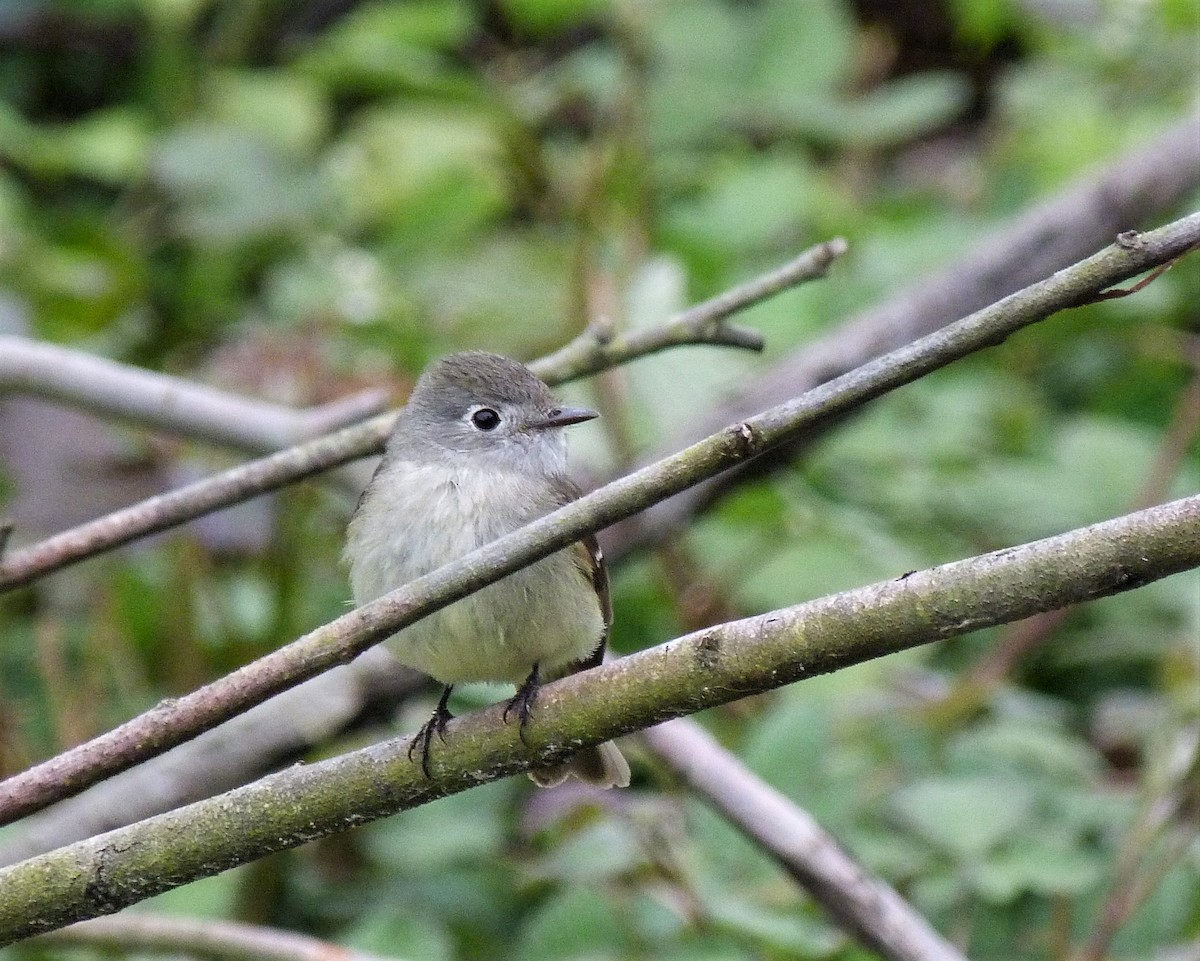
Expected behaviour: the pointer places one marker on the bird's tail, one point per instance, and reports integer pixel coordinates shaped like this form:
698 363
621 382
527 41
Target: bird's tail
602 765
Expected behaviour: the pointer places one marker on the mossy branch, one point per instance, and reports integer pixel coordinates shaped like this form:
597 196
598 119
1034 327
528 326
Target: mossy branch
700 670
338 642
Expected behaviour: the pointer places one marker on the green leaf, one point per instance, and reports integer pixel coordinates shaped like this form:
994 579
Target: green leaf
577 924
701 55
288 109
1035 865
887 852
801 54
438 24
771 929
457 829
545 17
419 172
231 186
459 292
892 114
601 851
391 931
1025 750
964 816
749 203
109 145
387 47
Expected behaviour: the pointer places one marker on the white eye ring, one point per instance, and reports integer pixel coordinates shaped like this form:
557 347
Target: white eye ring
483 418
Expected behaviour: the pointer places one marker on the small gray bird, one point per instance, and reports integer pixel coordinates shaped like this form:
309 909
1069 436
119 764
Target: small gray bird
478 452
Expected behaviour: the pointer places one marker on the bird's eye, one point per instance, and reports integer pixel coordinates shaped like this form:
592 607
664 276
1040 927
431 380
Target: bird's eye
485 419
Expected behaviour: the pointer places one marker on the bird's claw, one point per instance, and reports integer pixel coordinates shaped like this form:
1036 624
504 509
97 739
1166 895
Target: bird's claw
522 702
435 725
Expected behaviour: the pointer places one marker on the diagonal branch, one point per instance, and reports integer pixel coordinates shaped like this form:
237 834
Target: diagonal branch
175 721
164 511
1156 176
586 354
159 400
864 905
280 730
701 670
206 413
198 938
701 324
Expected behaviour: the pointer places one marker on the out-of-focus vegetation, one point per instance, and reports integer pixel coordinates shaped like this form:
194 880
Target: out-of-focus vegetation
293 200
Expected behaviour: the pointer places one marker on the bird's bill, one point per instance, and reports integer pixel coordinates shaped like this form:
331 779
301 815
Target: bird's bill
564 417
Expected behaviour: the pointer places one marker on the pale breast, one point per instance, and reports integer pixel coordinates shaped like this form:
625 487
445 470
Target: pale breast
418 517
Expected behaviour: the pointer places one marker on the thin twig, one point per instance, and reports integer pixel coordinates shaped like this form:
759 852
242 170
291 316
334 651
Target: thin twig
206 413
1129 239
1125 191
197 938
169 403
584 355
866 906
692 673
701 324
177 720
164 511
1131 188
1141 865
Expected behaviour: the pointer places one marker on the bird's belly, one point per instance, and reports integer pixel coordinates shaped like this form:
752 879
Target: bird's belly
546 614
488 637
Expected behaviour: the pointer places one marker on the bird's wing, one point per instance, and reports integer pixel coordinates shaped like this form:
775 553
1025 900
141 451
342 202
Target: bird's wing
590 560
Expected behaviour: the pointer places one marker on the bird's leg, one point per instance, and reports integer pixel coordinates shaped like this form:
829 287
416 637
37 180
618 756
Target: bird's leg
522 701
435 725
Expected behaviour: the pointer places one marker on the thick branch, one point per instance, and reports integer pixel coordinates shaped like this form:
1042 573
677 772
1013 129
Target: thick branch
278 731
177 720
864 905
701 670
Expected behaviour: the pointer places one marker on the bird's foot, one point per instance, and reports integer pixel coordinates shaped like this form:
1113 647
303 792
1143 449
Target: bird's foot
435 725
522 702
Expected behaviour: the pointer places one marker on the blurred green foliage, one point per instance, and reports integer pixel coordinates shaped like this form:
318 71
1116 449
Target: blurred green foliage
297 199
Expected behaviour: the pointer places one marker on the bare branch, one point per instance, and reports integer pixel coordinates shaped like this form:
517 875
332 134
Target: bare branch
704 323
198 938
175 721
168 510
276 732
172 403
1128 192
701 670
584 355
351 409
864 905
1142 863
206 413
1132 188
